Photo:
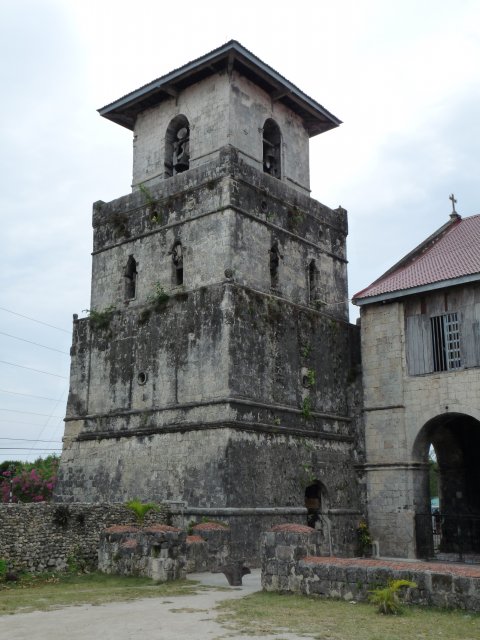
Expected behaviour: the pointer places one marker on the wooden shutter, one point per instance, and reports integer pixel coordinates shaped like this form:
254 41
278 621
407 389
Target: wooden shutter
470 336
419 345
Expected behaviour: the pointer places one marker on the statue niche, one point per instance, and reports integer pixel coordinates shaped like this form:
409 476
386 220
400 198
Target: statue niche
177 146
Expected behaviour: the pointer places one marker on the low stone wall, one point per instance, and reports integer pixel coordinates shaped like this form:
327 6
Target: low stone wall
291 562
208 548
156 552
47 536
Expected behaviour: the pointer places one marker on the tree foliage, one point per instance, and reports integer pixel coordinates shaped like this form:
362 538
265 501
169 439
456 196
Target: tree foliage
28 481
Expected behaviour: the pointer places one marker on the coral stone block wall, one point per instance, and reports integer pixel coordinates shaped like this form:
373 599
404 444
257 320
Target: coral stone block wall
41 536
156 551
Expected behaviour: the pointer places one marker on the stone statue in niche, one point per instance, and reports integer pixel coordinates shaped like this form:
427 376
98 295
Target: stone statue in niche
275 257
181 150
177 260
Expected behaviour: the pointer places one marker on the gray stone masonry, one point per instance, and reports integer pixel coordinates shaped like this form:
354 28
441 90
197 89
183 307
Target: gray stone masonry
292 560
41 536
155 551
217 368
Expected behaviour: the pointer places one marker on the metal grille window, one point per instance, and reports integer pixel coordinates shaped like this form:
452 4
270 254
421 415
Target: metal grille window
446 342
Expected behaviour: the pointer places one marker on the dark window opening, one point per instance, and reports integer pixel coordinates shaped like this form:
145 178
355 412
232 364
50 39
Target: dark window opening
314 502
446 342
272 148
177 262
130 278
312 281
177 146
275 256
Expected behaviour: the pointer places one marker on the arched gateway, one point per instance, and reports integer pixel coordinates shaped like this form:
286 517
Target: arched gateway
452 527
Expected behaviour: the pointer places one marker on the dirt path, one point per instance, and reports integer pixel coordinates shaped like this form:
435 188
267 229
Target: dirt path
189 617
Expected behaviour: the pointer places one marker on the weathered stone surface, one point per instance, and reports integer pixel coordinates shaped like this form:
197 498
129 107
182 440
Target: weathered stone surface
40 535
217 368
157 552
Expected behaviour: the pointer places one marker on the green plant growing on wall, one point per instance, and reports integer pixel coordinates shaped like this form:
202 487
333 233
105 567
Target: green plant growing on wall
311 377
308 473
3 568
75 562
387 599
307 408
158 297
140 509
364 539
100 319
146 194
306 349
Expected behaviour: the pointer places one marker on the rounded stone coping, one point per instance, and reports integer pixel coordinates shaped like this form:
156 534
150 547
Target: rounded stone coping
292 527
210 526
468 571
121 528
160 528
195 540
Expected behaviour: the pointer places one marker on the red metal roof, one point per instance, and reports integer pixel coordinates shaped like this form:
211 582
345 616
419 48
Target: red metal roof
452 252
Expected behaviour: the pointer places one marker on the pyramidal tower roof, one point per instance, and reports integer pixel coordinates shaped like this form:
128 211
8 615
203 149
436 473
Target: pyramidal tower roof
230 56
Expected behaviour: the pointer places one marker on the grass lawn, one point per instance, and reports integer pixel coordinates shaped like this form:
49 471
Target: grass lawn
322 619
39 593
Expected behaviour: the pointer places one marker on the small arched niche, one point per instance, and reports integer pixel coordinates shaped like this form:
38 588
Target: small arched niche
130 275
272 144
177 146
315 502
177 263
312 277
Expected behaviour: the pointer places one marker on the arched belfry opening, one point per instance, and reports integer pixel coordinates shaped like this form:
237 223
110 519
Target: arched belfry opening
448 524
130 275
177 146
315 502
272 145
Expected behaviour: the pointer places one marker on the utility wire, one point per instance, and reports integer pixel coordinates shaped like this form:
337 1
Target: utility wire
26 440
50 417
28 424
30 413
27 395
34 320
37 344
28 449
12 364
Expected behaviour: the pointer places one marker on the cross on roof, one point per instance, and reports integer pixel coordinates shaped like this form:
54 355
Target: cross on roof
452 198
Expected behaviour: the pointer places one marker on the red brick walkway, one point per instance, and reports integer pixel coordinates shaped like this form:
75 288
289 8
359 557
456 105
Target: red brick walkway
470 571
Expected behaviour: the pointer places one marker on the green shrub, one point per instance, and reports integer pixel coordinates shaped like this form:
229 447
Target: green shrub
140 509
387 600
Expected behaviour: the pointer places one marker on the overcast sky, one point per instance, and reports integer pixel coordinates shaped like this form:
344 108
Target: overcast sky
402 75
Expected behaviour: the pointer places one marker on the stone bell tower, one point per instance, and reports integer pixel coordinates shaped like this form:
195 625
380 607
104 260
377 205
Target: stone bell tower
216 366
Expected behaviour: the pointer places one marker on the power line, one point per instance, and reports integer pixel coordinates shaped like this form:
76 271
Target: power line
34 320
12 364
27 395
49 418
28 424
37 344
29 449
30 413
26 440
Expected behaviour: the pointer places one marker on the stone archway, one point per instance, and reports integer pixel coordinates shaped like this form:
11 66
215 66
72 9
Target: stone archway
455 437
